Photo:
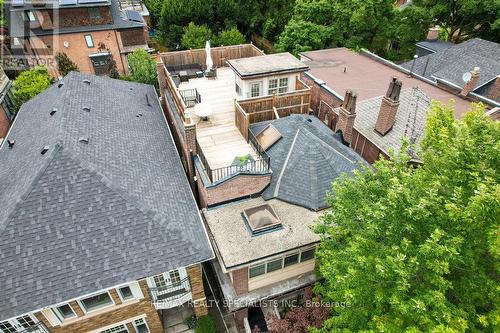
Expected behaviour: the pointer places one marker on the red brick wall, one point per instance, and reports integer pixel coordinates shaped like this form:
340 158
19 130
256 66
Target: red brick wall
366 148
4 123
195 275
240 280
132 37
319 95
237 187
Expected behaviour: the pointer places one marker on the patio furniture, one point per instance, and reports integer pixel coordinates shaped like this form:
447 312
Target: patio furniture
183 75
199 74
211 74
203 110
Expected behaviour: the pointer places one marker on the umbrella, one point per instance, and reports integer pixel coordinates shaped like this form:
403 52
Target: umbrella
203 110
209 62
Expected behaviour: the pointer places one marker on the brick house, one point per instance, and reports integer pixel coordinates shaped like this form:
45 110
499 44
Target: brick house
88 31
370 79
260 167
100 231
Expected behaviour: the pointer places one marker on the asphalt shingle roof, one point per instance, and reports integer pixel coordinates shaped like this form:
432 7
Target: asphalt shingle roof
452 63
305 161
87 216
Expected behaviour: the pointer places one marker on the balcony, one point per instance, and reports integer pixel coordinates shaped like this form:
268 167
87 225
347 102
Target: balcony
171 295
35 328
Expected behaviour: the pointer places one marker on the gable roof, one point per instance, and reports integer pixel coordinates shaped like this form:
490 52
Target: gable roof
452 63
305 160
88 216
410 119
279 63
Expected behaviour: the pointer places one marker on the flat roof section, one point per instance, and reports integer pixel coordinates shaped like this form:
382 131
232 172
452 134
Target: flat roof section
267 65
343 69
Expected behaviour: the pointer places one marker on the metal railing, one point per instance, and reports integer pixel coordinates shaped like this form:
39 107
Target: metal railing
170 292
259 166
191 97
37 328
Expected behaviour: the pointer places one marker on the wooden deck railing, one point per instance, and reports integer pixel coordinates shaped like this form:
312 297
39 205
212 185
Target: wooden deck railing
266 108
174 92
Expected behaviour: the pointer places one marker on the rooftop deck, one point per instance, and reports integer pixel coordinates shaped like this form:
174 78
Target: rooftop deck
218 137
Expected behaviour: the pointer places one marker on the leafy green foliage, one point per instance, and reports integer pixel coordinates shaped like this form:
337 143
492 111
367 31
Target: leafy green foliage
465 19
205 324
418 249
230 37
64 64
142 67
300 36
195 36
29 84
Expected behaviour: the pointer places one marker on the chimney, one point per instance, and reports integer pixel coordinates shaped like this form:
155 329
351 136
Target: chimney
433 34
495 89
389 107
472 83
347 113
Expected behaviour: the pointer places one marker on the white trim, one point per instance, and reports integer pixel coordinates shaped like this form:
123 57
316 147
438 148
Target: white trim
145 323
118 291
59 314
98 308
123 322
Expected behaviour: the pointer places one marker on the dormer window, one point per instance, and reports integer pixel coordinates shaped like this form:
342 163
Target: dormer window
261 219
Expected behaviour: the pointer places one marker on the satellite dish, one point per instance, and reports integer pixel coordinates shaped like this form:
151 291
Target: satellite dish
466 77
66 44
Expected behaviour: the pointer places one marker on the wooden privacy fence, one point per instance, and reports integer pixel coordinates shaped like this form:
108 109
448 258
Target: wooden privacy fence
176 96
259 109
219 55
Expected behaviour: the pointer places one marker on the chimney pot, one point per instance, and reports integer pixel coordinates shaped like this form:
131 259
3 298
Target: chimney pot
433 34
389 107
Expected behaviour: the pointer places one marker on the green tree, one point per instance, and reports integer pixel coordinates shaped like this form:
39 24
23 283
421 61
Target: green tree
29 84
142 67
195 36
64 64
300 36
230 37
418 249
464 19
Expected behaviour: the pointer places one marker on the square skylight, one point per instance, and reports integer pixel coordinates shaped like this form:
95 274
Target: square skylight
261 219
268 136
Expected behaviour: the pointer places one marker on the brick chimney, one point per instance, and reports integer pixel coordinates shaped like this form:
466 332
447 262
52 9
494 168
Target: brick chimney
347 113
495 90
471 85
433 34
389 107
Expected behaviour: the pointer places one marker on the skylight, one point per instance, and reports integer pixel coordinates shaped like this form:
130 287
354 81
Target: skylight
261 219
268 136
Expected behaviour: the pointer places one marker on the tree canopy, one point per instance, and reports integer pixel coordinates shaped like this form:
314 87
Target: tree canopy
230 37
29 84
142 67
195 36
418 249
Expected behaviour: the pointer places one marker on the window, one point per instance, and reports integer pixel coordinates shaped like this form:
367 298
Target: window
274 265
64 312
94 13
117 329
257 270
141 326
89 41
175 278
291 260
30 16
25 322
96 302
125 293
159 281
255 89
307 255
273 86
238 89
6 327
283 85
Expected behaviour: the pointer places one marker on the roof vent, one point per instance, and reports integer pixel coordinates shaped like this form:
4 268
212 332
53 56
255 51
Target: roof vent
44 150
309 120
86 109
11 143
60 84
261 219
84 139
147 100
86 81
53 112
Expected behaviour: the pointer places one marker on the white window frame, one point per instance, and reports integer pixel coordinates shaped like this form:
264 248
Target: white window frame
59 314
16 324
113 327
118 291
283 88
274 89
145 323
82 306
259 84
30 16
88 38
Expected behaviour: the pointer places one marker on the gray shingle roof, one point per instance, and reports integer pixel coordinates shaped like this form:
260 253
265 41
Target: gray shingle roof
410 119
305 161
436 45
452 63
84 217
